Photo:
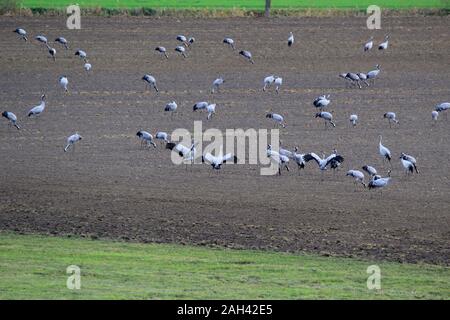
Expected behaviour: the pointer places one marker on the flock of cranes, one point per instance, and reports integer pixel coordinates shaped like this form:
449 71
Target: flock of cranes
281 157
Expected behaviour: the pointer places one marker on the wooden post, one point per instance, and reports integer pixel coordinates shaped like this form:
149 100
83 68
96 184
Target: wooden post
268 2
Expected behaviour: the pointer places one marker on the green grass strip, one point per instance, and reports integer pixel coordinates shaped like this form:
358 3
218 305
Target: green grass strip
34 267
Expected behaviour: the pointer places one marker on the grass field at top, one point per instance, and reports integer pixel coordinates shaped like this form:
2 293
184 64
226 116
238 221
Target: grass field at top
243 4
34 267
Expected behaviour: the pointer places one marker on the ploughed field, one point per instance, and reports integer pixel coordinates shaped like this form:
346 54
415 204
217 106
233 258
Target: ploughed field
109 187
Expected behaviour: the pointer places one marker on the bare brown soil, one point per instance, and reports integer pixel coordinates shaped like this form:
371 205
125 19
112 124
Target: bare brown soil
110 188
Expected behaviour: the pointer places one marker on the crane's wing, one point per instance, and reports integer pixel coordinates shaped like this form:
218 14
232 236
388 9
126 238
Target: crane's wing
330 157
312 156
334 158
179 148
208 157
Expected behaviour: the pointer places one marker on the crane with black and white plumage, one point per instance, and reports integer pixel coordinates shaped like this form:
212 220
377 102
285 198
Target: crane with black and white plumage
22 33
392 117
379 182
441 107
203 105
63 41
146 138
344 76
336 161
71 140
200 106
373 74
353 119
384 45
409 163
217 161
187 153
371 171
327 116
363 77
229 42
182 39
64 82
299 158
171 107
351 77
278 82
82 54
268 81
163 136
384 152
216 84
322 102
290 41
333 160
354 78
52 52
42 39
87 66
181 50
278 118
247 55
150 81
358 175
434 115
37 110
281 160
163 51
211 109
368 45
12 118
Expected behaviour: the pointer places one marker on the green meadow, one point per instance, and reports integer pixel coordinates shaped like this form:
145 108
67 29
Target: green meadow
242 4
34 267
